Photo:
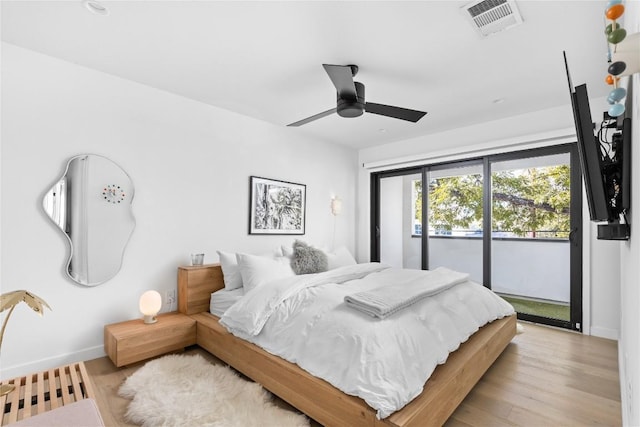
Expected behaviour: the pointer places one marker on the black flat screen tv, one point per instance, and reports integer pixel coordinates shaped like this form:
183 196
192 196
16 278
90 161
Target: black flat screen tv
604 169
590 158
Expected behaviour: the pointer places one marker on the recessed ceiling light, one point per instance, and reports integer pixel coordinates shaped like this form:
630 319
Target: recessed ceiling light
95 7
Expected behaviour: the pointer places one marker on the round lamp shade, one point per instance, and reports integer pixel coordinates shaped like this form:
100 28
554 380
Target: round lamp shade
150 304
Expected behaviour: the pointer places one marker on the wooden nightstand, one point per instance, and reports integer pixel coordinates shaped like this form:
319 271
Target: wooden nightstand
133 341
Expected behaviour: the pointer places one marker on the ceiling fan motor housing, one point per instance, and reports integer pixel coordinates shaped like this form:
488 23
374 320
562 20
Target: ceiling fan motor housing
349 107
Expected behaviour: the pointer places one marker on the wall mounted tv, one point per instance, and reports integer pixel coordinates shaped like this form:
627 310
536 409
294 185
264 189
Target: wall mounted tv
605 165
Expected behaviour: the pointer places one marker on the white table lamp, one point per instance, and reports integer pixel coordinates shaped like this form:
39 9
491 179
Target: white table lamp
150 304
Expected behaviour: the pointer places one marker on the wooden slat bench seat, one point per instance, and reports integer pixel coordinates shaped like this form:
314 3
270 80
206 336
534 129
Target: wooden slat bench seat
44 391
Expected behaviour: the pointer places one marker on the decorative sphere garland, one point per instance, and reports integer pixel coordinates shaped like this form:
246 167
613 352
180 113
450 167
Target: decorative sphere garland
615 34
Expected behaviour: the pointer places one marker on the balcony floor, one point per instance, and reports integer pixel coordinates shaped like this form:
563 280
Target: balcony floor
550 309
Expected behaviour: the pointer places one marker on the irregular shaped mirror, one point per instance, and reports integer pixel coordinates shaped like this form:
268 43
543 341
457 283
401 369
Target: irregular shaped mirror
91 204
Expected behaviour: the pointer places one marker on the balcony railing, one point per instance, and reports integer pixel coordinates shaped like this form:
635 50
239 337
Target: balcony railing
457 233
529 267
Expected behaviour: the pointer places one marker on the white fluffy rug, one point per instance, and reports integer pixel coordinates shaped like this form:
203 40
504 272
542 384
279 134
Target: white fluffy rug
188 390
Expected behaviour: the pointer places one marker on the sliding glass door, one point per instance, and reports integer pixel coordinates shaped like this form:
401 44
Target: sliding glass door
400 220
512 221
531 224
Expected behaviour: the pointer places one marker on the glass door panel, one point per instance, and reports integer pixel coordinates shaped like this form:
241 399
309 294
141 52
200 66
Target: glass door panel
400 219
530 248
455 215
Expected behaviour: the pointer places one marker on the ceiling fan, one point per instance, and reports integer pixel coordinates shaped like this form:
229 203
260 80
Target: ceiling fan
350 99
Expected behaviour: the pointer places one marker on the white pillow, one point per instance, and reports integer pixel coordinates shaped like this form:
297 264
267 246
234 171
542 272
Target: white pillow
287 250
257 270
341 257
230 270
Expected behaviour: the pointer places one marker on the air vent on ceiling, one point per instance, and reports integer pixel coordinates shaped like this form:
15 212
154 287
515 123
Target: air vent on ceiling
491 16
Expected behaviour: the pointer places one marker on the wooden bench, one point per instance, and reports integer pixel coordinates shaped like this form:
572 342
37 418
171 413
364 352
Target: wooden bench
44 391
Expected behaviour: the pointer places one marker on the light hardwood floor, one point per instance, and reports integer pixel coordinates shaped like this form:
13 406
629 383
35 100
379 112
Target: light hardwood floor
545 377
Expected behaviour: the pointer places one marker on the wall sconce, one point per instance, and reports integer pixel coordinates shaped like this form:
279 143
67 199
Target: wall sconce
336 206
96 7
150 304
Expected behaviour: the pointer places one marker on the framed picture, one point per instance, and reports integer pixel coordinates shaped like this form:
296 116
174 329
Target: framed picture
276 207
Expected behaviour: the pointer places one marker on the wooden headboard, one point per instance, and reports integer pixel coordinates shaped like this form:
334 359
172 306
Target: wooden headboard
195 285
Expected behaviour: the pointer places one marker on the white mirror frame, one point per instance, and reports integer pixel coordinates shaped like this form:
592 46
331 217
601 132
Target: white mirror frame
91 205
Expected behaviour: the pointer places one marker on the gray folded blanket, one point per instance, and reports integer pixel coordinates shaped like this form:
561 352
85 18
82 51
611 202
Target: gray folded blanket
386 300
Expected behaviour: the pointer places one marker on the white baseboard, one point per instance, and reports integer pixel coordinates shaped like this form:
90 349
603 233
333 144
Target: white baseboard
51 362
611 334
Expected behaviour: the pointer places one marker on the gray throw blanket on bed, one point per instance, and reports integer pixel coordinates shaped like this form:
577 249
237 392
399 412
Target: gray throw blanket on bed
386 300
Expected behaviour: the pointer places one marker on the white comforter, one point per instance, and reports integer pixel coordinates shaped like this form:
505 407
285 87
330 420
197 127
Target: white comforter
386 362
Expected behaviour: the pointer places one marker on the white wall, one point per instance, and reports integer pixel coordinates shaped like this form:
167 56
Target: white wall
629 344
601 288
190 164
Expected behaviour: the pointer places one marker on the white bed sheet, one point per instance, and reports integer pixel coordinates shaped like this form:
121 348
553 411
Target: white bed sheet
304 320
222 299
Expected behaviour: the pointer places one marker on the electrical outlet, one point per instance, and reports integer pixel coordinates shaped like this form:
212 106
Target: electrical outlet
170 300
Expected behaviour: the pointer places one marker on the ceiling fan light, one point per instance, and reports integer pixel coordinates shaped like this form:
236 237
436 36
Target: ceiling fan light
352 107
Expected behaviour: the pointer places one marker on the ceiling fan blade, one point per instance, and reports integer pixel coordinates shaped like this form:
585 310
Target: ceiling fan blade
312 118
395 112
342 78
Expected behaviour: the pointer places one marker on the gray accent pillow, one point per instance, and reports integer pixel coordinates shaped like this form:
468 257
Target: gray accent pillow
306 259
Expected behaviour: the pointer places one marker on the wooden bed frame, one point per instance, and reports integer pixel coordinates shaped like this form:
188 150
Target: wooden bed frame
446 388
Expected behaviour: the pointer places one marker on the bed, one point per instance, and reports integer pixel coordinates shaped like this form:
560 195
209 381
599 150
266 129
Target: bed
445 389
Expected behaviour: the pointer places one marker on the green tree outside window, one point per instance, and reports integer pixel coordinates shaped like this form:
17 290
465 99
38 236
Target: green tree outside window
531 203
